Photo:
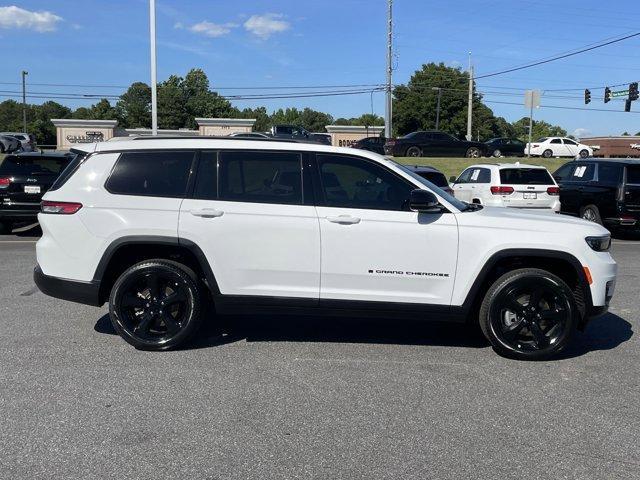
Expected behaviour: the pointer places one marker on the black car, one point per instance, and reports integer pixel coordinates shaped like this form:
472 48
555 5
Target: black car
505 147
432 174
373 144
433 144
605 191
24 178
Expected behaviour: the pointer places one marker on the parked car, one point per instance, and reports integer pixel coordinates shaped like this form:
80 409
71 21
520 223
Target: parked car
512 185
323 138
433 144
166 230
9 144
433 175
249 135
27 140
505 147
548 147
289 131
605 191
373 144
24 178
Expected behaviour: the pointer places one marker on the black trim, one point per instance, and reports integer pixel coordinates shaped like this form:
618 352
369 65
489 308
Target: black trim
71 290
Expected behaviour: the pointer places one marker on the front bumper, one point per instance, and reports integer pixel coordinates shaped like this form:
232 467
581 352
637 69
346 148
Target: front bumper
87 293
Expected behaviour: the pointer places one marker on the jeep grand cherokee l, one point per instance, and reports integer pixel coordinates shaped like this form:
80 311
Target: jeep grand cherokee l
169 231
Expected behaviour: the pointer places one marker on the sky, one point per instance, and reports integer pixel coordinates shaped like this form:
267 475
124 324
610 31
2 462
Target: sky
265 45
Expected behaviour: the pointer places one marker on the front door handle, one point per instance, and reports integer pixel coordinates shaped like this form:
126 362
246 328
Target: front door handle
344 219
206 212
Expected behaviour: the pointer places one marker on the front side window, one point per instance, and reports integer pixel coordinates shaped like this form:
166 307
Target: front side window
583 173
465 177
260 177
355 183
556 141
563 172
609 173
569 142
480 175
152 173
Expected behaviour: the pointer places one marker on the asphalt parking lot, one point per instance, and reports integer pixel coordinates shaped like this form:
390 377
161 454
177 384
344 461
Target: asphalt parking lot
309 398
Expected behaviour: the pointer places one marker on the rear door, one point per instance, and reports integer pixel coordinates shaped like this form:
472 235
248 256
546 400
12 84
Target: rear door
557 147
632 188
530 187
256 223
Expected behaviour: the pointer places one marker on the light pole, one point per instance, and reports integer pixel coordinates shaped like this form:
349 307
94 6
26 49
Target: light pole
24 100
388 100
154 79
438 107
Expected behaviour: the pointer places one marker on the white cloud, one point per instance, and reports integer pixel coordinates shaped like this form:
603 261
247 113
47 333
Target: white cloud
16 17
264 26
211 29
581 132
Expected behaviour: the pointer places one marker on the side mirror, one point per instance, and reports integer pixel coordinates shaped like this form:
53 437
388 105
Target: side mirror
452 179
424 201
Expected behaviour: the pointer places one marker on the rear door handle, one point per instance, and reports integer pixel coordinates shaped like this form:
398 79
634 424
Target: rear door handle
206 212
344 219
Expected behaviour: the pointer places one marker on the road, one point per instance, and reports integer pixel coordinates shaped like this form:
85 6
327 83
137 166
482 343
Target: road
309 398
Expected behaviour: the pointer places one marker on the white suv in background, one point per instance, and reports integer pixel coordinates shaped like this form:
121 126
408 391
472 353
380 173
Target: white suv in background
512 185
172 232
548 147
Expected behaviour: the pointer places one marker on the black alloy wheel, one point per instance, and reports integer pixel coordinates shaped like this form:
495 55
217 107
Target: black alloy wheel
413 152
528 314
591 213
155 305
584 153
497 153
473 152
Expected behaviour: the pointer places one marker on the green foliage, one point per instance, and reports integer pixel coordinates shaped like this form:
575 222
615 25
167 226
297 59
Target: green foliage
103 110
308 118
134 107
540 129
366 120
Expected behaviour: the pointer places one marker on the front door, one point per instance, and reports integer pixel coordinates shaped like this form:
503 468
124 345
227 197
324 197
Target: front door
373 247
249 217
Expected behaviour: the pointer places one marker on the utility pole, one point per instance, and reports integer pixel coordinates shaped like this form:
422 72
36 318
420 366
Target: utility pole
154 76
24 100
388 103
470 107
439 89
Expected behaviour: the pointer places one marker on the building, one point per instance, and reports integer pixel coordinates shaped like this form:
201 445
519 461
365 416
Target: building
73 131
625 146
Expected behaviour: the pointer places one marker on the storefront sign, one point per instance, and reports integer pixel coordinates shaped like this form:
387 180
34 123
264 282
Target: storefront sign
88 137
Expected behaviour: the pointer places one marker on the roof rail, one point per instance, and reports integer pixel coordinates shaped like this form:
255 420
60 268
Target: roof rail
218 137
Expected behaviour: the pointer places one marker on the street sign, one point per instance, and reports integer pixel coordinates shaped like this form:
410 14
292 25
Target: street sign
620 93
532 98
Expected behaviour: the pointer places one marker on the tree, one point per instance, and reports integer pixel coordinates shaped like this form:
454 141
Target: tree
263 120
172 111
540 129
134 107
103 110
200 101
365 120
625 134
310 119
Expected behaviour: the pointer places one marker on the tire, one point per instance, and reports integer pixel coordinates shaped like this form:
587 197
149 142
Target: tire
583 153
1 148
5 227
497 153
547 153
522 331
140 298
413 152
473 152
591 213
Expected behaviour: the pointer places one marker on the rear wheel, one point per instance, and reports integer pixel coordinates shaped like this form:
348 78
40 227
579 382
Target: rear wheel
528 314
497 153
156 305
591 213
473 152
413 152
547 153
584 153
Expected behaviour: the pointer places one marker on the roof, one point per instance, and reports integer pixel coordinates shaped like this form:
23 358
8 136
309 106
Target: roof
633 161
41 154
423 168
506 165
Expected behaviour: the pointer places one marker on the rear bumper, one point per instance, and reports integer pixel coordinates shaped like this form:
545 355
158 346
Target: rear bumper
87 293
19 213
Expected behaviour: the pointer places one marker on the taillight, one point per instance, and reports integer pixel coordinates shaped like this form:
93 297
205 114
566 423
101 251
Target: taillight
62 208
535 145
553 191
502 190
4 182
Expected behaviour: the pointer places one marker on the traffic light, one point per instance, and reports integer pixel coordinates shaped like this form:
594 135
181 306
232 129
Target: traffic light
627 105
587 96
607 94
633 91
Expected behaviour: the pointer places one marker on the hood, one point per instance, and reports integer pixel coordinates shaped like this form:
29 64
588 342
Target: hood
532 221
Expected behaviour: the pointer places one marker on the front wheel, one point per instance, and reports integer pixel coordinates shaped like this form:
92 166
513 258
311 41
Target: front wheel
497 153
155 305
583 153
528 314
473 152
413 152
591 213
547 153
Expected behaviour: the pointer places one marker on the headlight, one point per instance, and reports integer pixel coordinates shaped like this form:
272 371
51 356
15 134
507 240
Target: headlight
599 244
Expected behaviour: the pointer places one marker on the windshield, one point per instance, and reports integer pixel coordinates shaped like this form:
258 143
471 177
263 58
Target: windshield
462 206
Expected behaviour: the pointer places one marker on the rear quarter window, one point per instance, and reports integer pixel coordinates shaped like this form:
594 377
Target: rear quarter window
633 174
152 173
437 178
525 176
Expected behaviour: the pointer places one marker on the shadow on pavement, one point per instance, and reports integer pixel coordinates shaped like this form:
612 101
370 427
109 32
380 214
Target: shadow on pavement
603 333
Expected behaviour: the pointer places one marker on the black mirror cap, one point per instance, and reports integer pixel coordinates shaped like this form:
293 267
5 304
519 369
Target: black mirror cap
424 201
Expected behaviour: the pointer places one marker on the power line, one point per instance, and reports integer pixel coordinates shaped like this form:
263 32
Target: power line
564 108
558 57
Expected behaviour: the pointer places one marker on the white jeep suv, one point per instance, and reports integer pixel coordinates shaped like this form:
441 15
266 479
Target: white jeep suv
512 185
548 147
174 231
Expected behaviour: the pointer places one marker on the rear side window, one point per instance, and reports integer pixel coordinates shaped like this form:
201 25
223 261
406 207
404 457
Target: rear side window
437 178
260 177
32 165
206 187
583 173
633 174
609 173
153 173
525 176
